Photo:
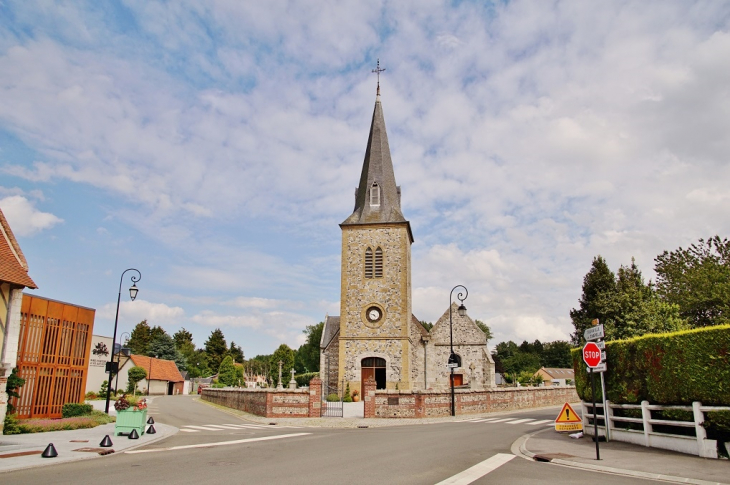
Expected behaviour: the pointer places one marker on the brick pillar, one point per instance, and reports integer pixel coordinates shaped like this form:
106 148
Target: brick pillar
269 411
420 400
315 398
369 397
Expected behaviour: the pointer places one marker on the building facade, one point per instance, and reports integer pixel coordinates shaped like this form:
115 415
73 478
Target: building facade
376 334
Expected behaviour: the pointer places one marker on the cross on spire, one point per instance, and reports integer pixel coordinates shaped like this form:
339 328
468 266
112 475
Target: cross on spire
377 71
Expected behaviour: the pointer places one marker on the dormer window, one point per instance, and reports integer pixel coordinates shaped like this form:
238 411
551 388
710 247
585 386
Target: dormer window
375 195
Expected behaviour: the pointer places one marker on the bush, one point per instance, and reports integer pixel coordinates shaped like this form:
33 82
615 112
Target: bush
90 396
103 388
717 424
304 378
10 426
333 397
347 397
72 409
671 368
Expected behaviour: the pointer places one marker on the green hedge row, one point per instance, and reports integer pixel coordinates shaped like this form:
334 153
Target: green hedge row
303 379
72 410
670 368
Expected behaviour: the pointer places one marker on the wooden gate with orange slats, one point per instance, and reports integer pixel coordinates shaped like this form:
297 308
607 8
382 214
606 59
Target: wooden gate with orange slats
53 356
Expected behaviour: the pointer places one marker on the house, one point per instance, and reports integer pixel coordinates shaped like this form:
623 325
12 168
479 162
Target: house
13 279
100 350
556 377
164 378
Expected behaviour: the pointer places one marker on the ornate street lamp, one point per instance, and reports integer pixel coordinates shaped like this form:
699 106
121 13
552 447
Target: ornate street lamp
453 358
132 294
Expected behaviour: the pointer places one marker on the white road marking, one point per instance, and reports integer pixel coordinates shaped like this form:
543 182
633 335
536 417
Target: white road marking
221 426
222 443
477 471
518 421
202 427
503 419
189 430
542 421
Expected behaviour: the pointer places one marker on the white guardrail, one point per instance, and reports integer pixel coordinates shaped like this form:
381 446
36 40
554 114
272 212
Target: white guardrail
694 445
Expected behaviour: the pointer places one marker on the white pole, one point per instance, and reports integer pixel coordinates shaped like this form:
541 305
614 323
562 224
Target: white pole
605 408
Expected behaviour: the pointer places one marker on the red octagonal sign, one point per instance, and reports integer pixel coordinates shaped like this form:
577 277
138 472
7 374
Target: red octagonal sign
591 354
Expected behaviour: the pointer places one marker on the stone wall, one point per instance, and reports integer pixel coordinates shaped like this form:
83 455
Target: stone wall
427 404
270 403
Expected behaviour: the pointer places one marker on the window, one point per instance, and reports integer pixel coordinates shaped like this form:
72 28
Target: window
378 263
375 195
373 263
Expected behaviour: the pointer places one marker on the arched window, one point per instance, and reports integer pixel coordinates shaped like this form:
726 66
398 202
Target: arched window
374 195
378 273
373 367
368 263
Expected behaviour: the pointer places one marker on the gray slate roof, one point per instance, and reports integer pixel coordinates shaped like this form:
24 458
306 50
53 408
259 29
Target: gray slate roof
331 327
377 168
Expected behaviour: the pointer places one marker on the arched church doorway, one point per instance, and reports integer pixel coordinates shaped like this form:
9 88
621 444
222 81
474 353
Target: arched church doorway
373 367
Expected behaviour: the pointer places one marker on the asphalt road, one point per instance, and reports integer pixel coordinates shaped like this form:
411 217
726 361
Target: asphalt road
221 448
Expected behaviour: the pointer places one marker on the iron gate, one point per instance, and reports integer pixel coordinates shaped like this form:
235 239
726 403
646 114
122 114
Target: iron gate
330 409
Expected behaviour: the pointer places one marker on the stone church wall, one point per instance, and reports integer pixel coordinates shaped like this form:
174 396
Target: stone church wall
270 403
329 367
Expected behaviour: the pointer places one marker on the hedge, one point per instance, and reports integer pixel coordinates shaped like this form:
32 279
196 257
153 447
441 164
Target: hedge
304 378
72 410
671 368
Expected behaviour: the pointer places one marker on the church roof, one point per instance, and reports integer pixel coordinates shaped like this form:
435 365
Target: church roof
377 168
13 266
331 327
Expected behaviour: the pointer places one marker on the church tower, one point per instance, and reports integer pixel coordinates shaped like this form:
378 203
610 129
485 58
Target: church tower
375 323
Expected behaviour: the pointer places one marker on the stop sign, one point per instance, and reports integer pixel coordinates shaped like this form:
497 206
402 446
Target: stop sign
591 354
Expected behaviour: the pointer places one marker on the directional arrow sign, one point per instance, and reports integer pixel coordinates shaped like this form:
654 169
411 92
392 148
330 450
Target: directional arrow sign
568 420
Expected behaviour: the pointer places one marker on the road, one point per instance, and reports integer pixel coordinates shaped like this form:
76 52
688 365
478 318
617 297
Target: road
216 447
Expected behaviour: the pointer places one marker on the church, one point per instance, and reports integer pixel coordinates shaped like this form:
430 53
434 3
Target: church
376 334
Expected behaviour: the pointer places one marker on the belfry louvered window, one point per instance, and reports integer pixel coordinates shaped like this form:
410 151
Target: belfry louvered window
375 194
368 263
373 263
378 263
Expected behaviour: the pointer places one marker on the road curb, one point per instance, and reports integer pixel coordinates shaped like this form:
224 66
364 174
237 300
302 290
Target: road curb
519 448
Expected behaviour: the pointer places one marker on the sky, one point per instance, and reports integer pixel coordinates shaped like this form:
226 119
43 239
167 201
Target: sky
215 147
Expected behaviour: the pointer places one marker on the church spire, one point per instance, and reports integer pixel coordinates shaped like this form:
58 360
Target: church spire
377 198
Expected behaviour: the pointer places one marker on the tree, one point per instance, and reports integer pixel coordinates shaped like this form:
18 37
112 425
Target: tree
307 358
236 353
227 373
485 328
427 325
216 348
135 375
697 280
285 354
11 388
599 285
163 347
181 337
140 338
556 355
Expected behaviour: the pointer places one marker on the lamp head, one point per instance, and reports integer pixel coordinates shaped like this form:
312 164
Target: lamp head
462 310
133 291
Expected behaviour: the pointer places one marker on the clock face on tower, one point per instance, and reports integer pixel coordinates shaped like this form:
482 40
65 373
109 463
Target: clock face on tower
373 316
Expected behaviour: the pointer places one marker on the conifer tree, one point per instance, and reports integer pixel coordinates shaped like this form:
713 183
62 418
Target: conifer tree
216 348
140 339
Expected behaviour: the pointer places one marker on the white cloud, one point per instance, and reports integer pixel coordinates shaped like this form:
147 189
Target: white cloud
158 314
24 218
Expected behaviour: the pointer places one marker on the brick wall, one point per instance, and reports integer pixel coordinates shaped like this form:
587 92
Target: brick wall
427 404
270 403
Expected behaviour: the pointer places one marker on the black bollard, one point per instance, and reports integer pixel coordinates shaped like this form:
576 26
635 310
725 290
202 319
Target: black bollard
50 451
151 429
134 435
151 420
106 442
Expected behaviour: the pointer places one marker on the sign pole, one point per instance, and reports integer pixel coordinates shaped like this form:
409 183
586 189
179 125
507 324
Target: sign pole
605 408
595 417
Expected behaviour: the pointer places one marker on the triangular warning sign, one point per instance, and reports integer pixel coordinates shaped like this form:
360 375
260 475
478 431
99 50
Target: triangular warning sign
568 415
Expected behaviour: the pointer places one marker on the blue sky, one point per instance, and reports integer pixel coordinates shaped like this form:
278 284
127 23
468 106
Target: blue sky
216 146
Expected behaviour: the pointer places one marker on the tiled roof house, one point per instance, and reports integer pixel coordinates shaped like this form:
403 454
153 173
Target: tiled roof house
14 278
164 378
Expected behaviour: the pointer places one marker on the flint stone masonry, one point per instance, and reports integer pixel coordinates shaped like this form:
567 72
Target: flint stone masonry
268 402
423 404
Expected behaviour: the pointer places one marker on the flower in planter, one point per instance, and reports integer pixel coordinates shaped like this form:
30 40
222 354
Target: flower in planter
121 403
141 404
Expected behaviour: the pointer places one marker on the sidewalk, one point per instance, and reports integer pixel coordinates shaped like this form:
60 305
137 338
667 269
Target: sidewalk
622 459
20 451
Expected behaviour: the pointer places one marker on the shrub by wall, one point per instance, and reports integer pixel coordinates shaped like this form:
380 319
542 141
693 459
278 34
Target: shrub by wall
671 368
72 409
303 379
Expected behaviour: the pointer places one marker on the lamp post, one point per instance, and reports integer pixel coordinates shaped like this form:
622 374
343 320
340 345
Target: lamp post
452 357
119 358
132 294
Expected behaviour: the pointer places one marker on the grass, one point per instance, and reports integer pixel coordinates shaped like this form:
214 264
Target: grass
42 425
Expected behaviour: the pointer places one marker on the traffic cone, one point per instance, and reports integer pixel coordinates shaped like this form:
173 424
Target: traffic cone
50 451
106 442
151 420
134 435
151 429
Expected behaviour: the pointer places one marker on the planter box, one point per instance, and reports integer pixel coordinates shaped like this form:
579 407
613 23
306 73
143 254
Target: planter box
128 420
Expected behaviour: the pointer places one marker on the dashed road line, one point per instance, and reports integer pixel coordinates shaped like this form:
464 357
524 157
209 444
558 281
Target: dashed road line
221 443
477 471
